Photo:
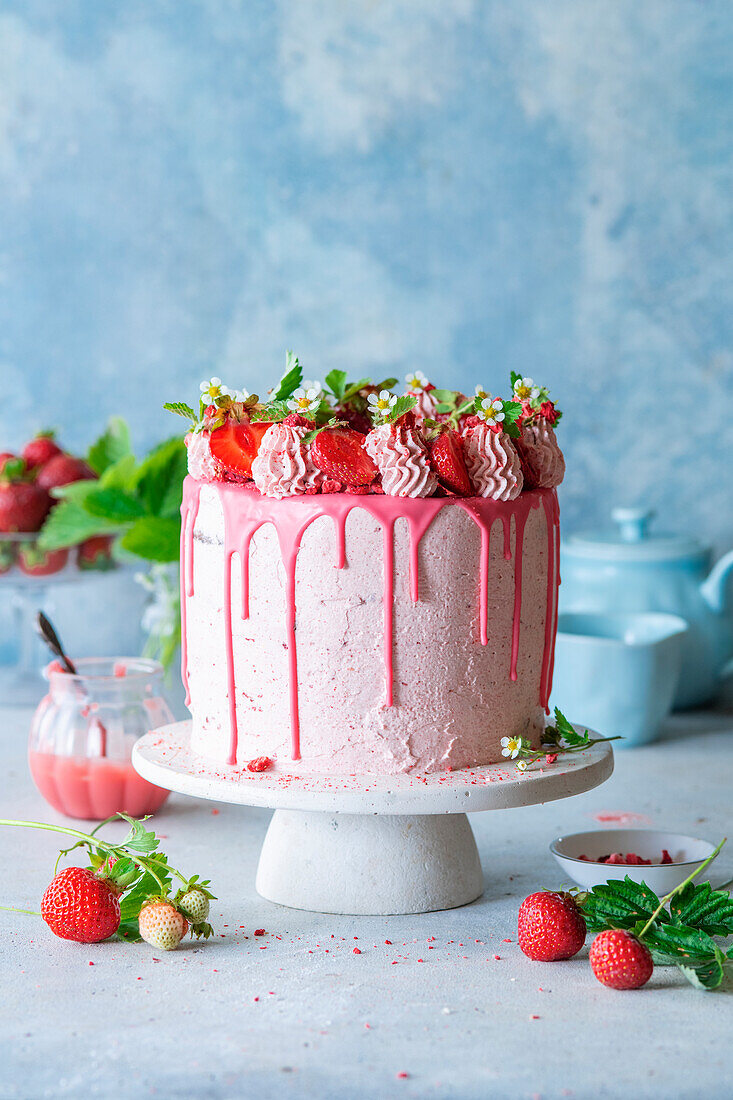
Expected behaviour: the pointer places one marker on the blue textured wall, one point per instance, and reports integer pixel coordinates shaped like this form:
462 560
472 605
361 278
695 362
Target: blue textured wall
468 187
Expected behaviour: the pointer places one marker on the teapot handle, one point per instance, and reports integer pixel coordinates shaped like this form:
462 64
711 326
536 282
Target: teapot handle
633 522
714 589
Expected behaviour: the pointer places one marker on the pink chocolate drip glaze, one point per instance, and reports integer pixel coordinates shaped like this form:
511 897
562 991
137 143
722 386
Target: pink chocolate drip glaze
245 510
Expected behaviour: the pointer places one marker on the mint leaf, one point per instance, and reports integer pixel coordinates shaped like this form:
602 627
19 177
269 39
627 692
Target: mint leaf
156 538
159 478
401 406
69 524
336 382
112 445
181 409
619 904
291 380
113 504
699 906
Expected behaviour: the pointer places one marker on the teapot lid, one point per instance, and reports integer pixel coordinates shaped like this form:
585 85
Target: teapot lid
632 541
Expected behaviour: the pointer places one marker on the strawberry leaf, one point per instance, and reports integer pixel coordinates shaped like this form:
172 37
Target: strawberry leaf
619 904
139 839
290 381
353 388
514 377
69 524
156 538
699 906
401 406
707 973
181 409
112 445
159 479
336 382
114 504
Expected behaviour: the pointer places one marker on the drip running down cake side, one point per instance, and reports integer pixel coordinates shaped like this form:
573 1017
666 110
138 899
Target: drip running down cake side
362 599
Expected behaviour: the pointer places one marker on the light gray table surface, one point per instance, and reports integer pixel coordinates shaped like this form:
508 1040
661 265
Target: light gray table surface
297 1013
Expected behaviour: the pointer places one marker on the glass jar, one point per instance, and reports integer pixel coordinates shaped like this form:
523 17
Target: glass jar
83 732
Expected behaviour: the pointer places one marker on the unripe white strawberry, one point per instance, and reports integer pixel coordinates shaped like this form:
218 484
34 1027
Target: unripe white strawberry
195 905
161 925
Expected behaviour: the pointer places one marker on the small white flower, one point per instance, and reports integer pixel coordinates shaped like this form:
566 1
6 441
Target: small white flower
510 747
522 765
482 393
238 395
211 390
315 385
305 400
525 389
416 381
491 411
383 403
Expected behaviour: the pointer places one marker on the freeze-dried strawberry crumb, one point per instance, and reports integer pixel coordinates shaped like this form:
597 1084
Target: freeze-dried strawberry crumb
260 932
551 757
330 485
260 764
357 951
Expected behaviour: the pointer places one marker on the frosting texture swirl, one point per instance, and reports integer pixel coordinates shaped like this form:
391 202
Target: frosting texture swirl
493 463
283 467
542 460
401 457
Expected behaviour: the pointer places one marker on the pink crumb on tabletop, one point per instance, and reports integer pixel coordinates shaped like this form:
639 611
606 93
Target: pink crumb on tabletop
260 764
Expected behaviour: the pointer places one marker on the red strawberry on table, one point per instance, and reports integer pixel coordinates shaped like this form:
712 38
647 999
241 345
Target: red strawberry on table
23 506
236 444
339 453
620 960
81 905
95 553
41 563
446 456
63 469
40 450
550 927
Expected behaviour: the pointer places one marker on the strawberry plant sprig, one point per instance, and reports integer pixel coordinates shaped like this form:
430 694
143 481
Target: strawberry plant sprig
557 740
125 880
677 929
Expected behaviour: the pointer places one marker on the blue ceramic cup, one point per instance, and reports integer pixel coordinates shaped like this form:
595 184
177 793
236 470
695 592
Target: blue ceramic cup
617 673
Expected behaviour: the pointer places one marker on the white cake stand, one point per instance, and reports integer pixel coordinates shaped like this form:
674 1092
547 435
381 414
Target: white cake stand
363 843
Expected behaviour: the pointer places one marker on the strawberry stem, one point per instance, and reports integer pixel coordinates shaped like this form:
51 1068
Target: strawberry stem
13 909
668 897
143 862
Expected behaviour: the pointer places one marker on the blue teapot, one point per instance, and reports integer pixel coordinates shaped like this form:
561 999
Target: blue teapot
633 569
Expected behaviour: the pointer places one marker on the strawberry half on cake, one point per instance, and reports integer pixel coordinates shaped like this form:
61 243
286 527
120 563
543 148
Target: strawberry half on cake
380 601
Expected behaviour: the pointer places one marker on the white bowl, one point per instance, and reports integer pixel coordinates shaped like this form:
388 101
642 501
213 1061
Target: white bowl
688 852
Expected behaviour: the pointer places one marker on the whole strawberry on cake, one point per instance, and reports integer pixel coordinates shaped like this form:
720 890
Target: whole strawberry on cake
368 578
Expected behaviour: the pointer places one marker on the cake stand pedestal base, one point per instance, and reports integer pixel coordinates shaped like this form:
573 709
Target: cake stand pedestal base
367 844
375 864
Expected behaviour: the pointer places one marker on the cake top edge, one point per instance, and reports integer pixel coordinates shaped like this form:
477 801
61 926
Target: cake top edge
310 437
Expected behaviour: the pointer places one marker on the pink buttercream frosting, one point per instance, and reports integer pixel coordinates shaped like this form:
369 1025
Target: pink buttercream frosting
493 463
201 463
425 405
401 457
542 459
283 467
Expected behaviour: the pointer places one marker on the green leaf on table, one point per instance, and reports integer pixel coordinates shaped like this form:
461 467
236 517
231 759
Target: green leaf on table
619 904
677 942
159 478
699 906
68 524
705 973
112 445
156 538
291 380
114 504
